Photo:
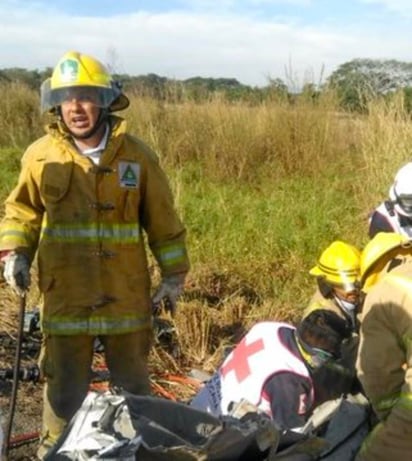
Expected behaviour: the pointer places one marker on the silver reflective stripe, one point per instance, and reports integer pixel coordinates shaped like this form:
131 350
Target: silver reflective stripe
171 255
115 233
94 326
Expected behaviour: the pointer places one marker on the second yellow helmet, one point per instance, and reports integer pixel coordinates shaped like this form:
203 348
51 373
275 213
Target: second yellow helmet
378 252
339 265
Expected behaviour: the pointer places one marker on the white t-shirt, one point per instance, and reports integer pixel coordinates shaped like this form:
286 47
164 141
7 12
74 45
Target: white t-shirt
94 153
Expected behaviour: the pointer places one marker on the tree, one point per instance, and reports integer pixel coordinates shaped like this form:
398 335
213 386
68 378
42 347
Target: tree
358 80
32 78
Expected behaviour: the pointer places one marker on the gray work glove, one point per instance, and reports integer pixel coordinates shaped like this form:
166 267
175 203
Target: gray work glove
168 291
17 272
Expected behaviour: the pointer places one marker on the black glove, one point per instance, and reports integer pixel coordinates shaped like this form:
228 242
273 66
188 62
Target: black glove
168 291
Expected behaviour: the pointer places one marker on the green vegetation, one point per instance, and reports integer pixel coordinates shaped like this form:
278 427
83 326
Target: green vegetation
354 82
262 189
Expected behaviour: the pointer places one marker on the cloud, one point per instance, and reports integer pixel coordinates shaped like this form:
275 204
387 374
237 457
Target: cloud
402 7
180 44
236 4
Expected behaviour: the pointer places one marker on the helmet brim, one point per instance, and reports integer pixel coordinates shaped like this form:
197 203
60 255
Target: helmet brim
120 103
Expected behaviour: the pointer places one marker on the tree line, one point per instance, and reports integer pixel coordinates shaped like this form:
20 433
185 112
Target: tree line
355 82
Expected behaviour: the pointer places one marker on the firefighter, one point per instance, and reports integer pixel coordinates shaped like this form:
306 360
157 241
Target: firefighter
272 366
337 274
86 194
395 214
385 352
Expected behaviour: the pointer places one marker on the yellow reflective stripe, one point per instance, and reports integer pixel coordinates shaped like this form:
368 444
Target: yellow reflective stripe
386 403
405 400
16 235
407 341
14 238
94 326
171 255
113 233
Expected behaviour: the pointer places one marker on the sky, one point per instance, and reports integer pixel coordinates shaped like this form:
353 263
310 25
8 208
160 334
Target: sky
253 41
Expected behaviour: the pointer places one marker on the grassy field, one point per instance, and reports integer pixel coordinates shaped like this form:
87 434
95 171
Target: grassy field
262 190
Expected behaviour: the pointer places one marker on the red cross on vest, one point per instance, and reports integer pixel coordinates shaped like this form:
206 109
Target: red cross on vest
239 361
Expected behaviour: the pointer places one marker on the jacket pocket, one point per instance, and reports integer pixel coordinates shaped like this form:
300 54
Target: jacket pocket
56 180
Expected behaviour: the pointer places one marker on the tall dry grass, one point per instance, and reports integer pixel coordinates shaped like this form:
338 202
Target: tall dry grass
385 145
230 141
19 115
262 189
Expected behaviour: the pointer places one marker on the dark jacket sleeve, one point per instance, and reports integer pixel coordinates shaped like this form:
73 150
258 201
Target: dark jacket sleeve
289 395
378 223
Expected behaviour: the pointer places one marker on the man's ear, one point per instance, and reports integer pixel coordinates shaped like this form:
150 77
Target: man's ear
325 289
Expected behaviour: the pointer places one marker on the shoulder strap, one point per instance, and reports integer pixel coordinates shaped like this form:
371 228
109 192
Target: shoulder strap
390 206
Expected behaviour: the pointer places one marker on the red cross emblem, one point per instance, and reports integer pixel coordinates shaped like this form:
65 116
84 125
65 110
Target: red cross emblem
239 361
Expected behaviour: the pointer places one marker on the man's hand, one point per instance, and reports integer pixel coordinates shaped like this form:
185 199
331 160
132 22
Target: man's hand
168 291
17 271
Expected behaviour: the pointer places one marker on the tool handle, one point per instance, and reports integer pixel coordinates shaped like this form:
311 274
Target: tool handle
16 372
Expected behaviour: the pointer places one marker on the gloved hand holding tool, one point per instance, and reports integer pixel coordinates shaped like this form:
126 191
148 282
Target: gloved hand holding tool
17 271
168 291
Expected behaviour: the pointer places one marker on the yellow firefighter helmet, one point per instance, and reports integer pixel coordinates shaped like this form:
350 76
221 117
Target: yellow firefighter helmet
76 70
339 265
378 252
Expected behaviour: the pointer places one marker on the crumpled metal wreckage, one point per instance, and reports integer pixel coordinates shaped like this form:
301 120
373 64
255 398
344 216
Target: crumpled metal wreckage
122 426
129 427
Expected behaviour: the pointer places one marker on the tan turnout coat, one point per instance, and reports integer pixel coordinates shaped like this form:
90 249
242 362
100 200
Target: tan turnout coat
385 364
87 223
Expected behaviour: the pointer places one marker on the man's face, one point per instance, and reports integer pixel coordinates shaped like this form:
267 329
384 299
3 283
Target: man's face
80 112
349 296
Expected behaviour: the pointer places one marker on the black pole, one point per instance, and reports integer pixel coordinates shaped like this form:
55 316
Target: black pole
16 373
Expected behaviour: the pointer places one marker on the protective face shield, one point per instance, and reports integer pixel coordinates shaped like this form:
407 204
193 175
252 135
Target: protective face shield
400 192
314 356
81 77
320 357
51 99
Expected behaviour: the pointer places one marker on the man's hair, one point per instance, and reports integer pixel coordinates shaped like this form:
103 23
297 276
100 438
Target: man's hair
325 288
324 329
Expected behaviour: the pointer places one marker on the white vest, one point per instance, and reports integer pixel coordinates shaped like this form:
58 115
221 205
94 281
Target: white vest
244 372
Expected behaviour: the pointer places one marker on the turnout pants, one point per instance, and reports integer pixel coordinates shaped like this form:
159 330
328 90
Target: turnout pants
65 363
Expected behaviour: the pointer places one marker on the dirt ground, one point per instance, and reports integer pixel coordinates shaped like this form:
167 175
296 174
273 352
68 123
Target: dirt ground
27 416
